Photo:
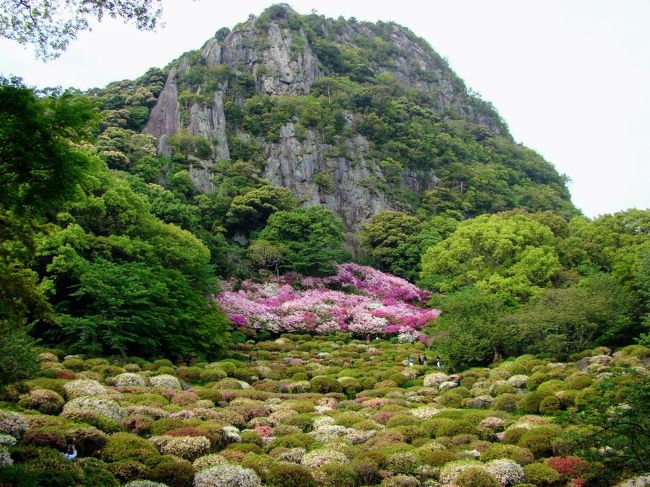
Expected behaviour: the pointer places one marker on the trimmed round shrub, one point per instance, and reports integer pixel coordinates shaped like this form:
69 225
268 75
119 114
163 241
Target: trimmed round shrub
569 467
506 402
365 471
535 380
523 456
436 458
83 387
539 441
212 374
165 381
550 405
337 475
173 471
108 408
187 447
87 440
512 435
507 472
578 381
227 476
405 463
129 379
290 475
325 384
529 403
451 470
12 424
401 481
209 461
43 400
552 386
318 458
125 446
96 473
541 475
402 420
476 477
455 427
126 470
38 437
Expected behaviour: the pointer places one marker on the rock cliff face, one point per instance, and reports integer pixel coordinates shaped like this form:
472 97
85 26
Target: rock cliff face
271 56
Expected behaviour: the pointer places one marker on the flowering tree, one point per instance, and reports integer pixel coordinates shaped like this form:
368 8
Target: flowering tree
357 299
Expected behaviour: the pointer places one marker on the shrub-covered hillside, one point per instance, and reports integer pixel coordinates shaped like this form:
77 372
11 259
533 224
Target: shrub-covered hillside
305 410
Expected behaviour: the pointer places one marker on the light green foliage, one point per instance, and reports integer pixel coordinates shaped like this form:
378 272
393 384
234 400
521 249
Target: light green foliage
510 255
312 236
266 255
122 147
41 158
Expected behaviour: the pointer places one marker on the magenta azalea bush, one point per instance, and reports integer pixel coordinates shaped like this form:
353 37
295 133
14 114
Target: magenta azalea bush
357 299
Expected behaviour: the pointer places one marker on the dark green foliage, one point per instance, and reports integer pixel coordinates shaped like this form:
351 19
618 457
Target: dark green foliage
312 237
541 475
476 477
290 475
251 210
472 333
565 321
40 163
617 415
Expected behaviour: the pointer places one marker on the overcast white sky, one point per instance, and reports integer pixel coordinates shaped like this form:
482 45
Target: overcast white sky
571 78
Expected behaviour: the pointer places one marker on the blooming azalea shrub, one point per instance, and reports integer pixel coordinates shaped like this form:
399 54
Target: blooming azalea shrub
165 381
12 424
129 379
383 307
187 447
227 476
43 400
84 387
106 407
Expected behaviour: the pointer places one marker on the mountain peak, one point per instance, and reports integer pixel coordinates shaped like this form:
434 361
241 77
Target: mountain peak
358 117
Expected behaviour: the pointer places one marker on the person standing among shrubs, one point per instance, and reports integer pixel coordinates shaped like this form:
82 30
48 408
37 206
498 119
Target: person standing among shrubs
70 453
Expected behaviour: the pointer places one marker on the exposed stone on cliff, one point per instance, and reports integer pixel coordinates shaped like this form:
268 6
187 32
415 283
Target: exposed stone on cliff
280 61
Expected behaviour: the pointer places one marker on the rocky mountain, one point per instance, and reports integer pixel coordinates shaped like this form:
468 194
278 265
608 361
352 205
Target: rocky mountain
355 116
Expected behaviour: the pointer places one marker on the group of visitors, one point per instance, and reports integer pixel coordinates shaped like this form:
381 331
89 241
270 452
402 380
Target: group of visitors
424 360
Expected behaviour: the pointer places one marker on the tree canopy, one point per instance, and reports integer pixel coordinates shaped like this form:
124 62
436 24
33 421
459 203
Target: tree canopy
50 25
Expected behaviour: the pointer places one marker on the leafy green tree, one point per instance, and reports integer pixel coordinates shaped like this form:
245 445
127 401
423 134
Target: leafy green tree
470 330
312 237
50 25
251 210
383 235
513 255
563 321
133 309
41 164
619 425
266 255
122 281
42 160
